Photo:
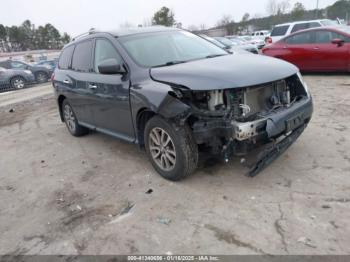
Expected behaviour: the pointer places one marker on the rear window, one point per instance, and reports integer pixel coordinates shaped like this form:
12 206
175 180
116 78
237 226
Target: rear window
65 57
304 26
279 30
82 57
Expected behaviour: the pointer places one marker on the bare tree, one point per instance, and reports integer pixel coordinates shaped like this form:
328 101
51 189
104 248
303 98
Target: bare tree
283 7
272 7
147 22
225 20
275 7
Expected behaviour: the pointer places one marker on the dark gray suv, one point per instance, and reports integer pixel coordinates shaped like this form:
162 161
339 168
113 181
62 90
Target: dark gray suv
176 94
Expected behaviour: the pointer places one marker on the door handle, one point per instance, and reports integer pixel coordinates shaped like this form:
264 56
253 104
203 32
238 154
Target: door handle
92 86
66 81
316 48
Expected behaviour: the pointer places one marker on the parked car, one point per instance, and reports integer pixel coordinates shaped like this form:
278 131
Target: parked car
259 43
261 34
317 49
42 74
231 49
50 64
283 30
177 94
15 79
233 43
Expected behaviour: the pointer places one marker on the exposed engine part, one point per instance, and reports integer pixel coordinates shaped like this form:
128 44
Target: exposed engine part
244 131
245 109
216 99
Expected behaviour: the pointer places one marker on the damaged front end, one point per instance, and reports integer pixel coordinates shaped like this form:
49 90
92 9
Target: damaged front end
257 123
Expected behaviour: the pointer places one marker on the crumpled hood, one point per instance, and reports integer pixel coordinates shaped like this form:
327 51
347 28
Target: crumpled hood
229 71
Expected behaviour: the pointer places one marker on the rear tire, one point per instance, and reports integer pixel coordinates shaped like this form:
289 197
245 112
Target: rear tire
71 120
171 149
18 82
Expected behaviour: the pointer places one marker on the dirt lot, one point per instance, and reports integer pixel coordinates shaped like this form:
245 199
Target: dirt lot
99 195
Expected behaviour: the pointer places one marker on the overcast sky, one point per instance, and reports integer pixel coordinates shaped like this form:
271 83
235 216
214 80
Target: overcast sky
77 16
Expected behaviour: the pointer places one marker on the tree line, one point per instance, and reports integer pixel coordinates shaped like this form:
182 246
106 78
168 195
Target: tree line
282 12
279 11
28 37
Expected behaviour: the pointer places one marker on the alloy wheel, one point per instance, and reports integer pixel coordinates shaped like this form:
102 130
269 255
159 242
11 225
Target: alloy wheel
41 78
69 118
162 149
18 83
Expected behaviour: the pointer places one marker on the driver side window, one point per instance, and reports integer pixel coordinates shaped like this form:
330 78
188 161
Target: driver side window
105 50
18 65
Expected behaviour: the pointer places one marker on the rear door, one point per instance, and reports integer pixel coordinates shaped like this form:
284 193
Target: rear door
111 107
77 78
299 50
328 56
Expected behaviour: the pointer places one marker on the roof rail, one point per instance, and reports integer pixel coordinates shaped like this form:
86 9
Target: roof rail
90 32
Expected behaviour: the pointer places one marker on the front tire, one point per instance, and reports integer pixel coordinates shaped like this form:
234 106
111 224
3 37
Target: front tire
41 77
171 149
18 82
71 120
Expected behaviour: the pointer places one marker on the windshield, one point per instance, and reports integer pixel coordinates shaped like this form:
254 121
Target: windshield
328 22
167 48
214 41
225 41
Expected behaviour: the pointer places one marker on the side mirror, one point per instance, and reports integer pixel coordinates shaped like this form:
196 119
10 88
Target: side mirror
110 67
338 42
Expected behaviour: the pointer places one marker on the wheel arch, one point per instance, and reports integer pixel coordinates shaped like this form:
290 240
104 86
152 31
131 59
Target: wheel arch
143 116
60 100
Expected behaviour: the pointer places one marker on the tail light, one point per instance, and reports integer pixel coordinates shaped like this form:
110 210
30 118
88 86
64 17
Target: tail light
268 40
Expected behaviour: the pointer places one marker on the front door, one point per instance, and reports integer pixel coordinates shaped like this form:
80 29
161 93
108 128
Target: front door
111 106
329 56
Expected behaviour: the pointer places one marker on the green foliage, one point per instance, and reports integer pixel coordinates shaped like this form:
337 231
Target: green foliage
27 37
340 9
164 17
298 11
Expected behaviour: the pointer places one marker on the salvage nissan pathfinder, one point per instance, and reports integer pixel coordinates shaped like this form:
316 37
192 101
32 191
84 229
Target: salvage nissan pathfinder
177 94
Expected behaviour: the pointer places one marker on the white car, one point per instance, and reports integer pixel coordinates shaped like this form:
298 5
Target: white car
261 34
282 30
259 43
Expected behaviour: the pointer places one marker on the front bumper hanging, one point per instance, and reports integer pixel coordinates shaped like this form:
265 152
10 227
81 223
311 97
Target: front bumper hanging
273 151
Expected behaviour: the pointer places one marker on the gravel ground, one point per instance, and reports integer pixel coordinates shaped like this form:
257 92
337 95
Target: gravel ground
98 195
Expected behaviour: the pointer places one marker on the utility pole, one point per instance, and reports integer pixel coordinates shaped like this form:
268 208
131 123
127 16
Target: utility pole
317 2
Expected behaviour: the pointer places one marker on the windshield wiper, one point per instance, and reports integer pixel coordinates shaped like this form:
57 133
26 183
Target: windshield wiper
170 63
212 56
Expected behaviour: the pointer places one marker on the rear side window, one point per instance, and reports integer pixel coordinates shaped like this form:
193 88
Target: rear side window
105 50
279 30
304 26
323 37
82 57
65 57
302 38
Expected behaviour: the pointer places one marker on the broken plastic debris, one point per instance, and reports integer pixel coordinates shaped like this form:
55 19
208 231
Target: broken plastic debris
163 220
